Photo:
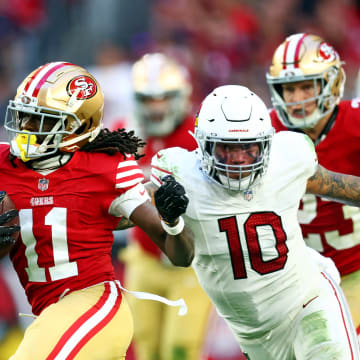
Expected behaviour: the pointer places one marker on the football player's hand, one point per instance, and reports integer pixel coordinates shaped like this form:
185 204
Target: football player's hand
6 231
170 199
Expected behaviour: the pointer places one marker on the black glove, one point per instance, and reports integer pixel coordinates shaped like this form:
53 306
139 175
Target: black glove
6 231
170 199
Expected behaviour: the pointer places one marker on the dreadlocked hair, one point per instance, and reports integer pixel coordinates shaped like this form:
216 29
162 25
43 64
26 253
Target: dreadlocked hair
12 159
111 142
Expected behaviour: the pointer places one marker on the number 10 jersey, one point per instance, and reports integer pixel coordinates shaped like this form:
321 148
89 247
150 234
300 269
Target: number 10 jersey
250 256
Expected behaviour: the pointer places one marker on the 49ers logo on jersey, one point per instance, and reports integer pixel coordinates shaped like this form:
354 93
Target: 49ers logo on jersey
84 85
327 52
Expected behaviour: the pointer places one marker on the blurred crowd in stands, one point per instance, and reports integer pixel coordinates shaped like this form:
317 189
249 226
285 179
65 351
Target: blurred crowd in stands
219 41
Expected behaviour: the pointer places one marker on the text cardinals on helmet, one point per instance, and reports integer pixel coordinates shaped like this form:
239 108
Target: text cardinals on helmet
233 115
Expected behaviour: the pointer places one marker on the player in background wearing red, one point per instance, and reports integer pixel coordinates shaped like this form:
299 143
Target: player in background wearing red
306 81
72 182
161 93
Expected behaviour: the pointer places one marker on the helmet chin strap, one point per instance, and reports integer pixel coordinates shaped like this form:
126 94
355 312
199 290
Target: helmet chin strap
92 135
26 144
44 145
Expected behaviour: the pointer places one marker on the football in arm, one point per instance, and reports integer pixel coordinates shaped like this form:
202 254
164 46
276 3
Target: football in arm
5 205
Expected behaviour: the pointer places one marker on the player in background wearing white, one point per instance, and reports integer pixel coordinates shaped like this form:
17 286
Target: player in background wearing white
244 184
72 182
162 89
306 81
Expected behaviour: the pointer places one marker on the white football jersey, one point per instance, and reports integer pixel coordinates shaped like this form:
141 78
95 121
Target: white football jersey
250 256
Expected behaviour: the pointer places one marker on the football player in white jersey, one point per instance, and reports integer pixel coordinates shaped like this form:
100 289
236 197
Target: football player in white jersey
244 184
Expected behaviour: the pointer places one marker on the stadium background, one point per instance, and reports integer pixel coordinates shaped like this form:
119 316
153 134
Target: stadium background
220 41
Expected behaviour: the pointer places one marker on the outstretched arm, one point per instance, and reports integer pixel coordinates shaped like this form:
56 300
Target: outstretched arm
125 223
178 248
163 223
335 186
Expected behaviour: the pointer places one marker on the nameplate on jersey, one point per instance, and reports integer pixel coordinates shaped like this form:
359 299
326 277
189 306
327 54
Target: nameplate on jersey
42 200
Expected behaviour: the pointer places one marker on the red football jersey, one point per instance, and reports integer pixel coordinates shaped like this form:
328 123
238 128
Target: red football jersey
181 138
330 227
66 229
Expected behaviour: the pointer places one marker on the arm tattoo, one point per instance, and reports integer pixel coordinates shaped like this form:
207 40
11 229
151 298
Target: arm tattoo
335 186
124 223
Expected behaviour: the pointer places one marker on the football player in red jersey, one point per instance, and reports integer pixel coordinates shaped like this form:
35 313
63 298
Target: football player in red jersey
71 182
161 92
306 81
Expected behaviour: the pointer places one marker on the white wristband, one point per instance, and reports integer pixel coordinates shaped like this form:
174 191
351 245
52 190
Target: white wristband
174 230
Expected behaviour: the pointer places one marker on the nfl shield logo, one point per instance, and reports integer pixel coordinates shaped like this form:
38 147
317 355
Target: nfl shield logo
43 184
248 195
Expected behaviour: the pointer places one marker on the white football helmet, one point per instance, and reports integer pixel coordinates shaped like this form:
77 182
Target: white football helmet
162 90
306 57
233 114
58 93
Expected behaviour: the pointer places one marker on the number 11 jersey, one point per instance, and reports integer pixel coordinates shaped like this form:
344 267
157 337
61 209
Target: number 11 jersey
66 229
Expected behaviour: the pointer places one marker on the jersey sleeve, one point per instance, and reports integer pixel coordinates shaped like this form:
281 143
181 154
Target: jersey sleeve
128 174
163 163
126 203
128 185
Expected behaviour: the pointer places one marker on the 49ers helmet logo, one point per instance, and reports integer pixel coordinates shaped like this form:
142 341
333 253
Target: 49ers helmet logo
327 52
85 86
